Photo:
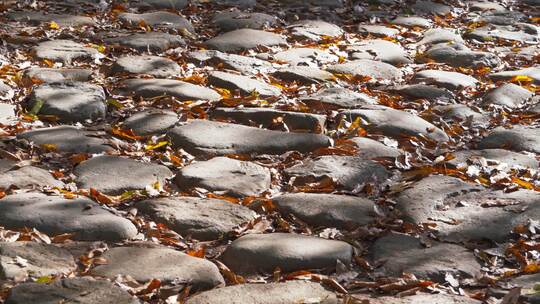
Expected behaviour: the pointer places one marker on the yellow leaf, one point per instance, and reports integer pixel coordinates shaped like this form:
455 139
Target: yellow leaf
49 147
522 78
54 26
101 48
156 146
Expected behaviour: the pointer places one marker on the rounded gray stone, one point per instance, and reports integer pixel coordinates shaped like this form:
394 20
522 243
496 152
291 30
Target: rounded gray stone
367 68
48 75
7 113
508 95
336 97
370 148
65 51
63 20
431 8
203 137
162 4
244 39
423 91
453 56
56 215
83 290
41 260
67 139
518 139
271 293
158 19
400 253
411 21
71 101
150 65
243 64
441 35
234 177
263 253
499 155
381 50
233 20
395 123
350 172
315 29
327 210
153 41
533 72
420 298
449 80
244 84
305 56
201 218
159 87
378 30
304 75
28 177
165 264
114 174
151 121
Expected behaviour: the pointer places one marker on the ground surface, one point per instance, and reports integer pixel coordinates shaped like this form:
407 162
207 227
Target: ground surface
243 151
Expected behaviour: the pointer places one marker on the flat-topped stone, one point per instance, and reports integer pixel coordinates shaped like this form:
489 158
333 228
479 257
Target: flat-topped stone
244 39
114 174
395 123
159 87
268 118
445 79
244 84
70 101
327 210
153 41
203 137
49 75
305 57
234 177
40 260
304 75
233 20
201 218
369 148
424 91
532 72
65 51
378 30
156 66
315 29
411 21
459 56
67 139
518 139
379 49
509 95
349 172
62 20
440 35
271 293
85 290
158 19
242 64
367 68
161 4
500 156
400 253
151 121
336 98
146 263
255 253
27 177
53 215
7 113
419 298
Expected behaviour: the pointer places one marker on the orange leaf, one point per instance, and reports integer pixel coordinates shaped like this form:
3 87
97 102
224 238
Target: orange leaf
198 253
125 134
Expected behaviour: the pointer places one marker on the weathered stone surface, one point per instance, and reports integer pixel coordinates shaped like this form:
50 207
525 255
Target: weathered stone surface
151 65
520 32
273 293
350 172
315 29
84 290
70 102
528 284
28 177
19 260
378 30
243 64
440 35
244 84
411 21
67 139
533 72
420 298
57 75
201 218
431 8
254 253
401 253
378 49
368 68
65 51
159 19
153 41
423 91
461 112
519 138
369 148
457 55
162 4
151 121
202 137
486 6
233 20
336 97
7 113
498 155
267 118
234 177
304 75
56 215
305 56
244 39
395 123
114 175
445 79
157 87
165 264
63 20
328 210
508 95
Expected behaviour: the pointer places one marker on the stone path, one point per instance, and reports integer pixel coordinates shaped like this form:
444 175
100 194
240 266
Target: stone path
269 152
